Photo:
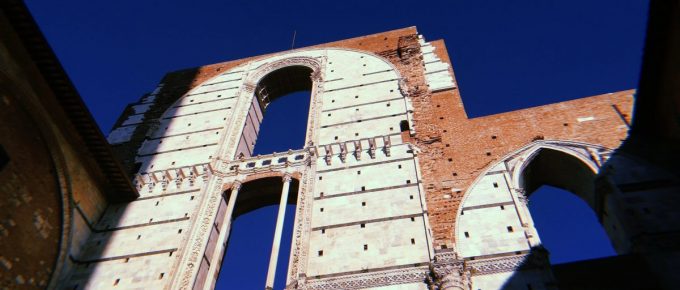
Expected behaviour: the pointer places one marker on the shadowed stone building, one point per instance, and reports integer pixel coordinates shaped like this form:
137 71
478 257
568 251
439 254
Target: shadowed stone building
395 188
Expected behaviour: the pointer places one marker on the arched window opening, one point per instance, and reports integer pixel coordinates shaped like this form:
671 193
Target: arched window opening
568 228
283 96
246 257
560 188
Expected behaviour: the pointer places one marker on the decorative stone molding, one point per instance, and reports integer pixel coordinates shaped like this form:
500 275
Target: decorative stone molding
367 280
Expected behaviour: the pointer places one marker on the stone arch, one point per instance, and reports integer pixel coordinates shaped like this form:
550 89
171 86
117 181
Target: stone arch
506 185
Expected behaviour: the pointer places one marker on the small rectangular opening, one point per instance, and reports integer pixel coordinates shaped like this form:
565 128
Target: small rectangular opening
410 197
467 235
179 231
413 219
359 172
365 247
510 229
116 282
320 253
502 207
320 177
139 237
321 209
323 231
408 181
399 166
161 276
363 226
495 185
363 188
363 203
413 241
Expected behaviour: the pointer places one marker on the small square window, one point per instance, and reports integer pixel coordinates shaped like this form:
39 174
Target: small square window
321 209
502 207
179 231
336 137
329 114
323 231
408 181
320 177
510 229
413 219
450 159
388 104
363 203
363 188
411 197
399 166
467 235
365 247
495 184
320 253
413 241
363 226
359 172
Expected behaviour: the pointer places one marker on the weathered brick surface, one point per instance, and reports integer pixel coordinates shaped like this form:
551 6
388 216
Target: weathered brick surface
443 130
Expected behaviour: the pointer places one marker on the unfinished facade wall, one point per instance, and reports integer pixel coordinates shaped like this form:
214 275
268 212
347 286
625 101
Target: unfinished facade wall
391 178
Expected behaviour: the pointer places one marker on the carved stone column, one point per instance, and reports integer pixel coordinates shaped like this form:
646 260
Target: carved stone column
277 232
455 280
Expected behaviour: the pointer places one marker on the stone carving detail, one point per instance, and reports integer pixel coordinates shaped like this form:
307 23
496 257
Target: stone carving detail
448 272
302 227
366 280
195 245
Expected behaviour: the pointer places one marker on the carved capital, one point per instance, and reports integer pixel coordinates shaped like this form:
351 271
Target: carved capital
456 280
287 177
236 186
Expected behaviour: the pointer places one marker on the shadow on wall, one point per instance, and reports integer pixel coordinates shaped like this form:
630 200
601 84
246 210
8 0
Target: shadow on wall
626 272
93 260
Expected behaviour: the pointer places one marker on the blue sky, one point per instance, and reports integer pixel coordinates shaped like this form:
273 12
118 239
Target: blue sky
506 55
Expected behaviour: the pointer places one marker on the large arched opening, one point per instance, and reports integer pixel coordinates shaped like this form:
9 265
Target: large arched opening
245 260
562 203
496 223
283 96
